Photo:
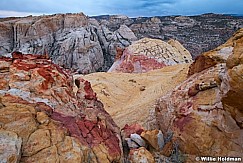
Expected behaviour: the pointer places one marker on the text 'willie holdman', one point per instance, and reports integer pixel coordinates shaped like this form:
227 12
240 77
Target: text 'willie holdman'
218 159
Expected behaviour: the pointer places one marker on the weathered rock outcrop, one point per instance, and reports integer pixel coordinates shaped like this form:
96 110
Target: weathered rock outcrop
205 112
43 120
10 146
149 54
213 57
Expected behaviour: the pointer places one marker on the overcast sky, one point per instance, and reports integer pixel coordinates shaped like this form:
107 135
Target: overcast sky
132 8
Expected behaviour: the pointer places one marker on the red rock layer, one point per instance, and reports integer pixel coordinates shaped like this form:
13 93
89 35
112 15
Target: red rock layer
130 63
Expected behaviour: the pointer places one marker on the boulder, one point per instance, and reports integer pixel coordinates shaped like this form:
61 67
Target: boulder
52 122
135 141
127 130
155 138
141 155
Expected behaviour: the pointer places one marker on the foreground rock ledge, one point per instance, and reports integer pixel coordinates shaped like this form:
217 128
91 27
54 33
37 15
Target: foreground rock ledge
42 115
205 112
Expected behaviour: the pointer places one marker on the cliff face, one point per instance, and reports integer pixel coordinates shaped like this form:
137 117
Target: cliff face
86 45
73 41
67 39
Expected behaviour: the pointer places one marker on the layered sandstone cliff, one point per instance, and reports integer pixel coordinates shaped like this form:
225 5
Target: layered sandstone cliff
198 34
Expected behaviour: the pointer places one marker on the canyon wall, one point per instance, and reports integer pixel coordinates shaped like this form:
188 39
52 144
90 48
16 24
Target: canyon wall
88 44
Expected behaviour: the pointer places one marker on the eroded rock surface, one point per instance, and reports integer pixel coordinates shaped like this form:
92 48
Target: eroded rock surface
149 54
66 38
55 124
111 40
130 98
205 111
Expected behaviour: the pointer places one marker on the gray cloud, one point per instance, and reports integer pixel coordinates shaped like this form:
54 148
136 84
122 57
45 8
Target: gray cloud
125 7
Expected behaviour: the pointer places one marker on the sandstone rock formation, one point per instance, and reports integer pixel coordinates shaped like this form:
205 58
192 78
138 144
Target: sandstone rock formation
72 41
205 112
127 130
149 54
67 38
135 141
43 120
129 98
